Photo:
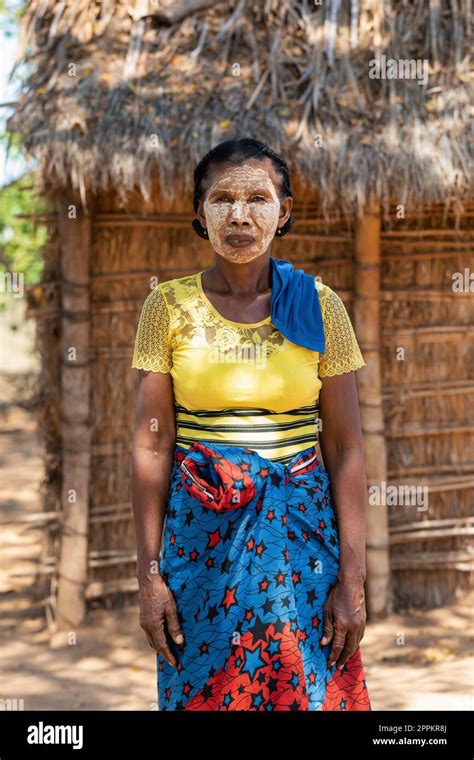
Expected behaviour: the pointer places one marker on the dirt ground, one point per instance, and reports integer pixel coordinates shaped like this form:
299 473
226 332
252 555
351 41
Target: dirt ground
111 666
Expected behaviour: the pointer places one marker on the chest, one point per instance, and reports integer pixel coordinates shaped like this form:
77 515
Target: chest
242 309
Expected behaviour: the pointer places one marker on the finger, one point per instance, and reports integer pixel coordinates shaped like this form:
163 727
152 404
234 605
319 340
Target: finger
349 649
157 640
150 640
328 627
172 623
337 647
144 627
163 649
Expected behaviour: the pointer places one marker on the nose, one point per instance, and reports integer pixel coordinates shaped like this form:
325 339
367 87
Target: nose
239 212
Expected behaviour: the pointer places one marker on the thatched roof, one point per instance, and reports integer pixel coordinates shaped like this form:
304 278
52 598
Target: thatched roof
121 92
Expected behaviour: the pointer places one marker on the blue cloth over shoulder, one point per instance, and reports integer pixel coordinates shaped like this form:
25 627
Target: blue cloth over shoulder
295 306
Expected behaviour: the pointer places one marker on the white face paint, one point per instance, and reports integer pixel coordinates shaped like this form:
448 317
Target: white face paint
243 201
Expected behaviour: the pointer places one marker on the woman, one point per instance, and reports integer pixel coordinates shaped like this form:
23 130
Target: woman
256 601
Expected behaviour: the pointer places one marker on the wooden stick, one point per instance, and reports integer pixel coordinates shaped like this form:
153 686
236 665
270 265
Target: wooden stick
434 561
444 254
422 524
450 483
390 234
104 509
119 517
451 333
75 231
110 561
36 571
411 429
429 535
418 294
36 520
366 311
427 470
97 589
425 390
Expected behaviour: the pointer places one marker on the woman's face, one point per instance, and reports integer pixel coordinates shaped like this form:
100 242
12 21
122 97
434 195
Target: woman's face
241 210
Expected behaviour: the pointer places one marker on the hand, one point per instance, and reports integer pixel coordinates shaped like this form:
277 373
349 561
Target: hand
157 609
344 620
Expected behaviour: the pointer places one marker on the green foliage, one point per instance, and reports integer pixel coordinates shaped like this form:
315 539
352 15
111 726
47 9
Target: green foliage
21 239
10 15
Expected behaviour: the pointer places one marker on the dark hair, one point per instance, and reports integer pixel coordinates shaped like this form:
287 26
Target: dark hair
236 152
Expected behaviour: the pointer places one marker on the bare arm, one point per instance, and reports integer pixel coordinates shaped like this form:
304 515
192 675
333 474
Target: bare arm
343 452
342 448
152 458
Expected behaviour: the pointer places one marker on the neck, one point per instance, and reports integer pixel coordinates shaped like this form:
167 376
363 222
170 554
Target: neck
239 279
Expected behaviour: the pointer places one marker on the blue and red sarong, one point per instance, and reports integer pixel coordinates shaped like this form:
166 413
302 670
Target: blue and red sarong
250 552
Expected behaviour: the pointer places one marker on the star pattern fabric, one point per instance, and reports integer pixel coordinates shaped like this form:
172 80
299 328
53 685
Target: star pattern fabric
250 552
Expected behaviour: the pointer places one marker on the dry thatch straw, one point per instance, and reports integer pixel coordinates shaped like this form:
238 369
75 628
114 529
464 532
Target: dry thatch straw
122 91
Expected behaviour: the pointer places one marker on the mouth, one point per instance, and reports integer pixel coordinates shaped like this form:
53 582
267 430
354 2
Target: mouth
239 241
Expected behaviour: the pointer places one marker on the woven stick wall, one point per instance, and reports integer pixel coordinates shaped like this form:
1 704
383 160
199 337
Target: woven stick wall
427 397
428 403
160 245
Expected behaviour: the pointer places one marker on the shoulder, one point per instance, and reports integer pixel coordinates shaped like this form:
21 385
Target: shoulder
170 293
323 289
176 290
154 303
327 296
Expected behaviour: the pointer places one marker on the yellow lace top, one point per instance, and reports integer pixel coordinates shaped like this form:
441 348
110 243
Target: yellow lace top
237 383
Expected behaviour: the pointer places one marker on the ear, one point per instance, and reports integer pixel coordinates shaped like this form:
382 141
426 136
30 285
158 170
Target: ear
200 214
285 210
199 229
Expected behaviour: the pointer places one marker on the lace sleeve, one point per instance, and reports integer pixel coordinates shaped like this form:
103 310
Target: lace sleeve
342 350
152 350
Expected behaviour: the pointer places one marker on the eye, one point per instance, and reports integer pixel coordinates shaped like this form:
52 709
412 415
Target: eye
258 198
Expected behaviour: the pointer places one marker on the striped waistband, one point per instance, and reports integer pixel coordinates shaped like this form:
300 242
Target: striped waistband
276 435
